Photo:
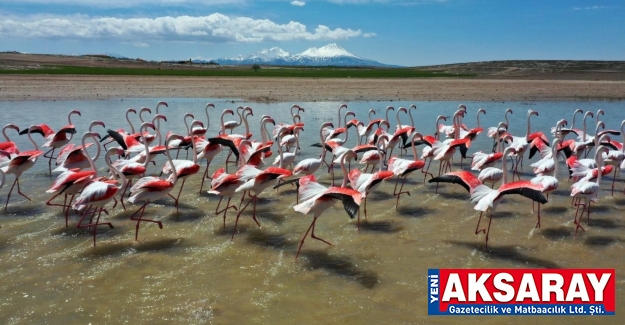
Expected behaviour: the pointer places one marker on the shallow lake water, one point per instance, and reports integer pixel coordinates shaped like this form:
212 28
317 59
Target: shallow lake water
190 272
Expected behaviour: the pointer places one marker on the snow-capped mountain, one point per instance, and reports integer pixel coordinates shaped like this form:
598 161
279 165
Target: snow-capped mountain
329 55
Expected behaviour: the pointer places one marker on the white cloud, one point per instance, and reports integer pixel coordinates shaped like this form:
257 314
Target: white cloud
590 8
215 28
298 3
127 3
137 44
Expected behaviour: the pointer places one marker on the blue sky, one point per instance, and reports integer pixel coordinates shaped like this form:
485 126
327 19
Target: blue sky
402 32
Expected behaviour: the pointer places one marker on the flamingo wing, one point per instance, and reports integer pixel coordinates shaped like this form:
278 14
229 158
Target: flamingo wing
524 188
463 178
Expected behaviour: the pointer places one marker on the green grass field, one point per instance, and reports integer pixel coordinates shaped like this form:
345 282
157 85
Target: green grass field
297 72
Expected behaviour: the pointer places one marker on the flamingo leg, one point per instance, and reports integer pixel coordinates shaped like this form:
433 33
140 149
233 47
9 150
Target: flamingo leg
538 222
426 171
255 198
45 155
179 192
301 243
67 210
488 230
9 195
398 194
234 231
20 191
613 179
64 205
205 176
478 225
312 235
140 219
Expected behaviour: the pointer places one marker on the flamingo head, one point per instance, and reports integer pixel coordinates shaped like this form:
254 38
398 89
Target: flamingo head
390 108
481 110
296 116
159 117
93 134
371 111
12 126
240 108
162 103
327 124
600 124
189 115
264 117
532 112
578 111
94 123
145 109
417 135
509 110
269 120
114 151
343 106
210 105
350 113
588 114
462 107
412 106
502 125
75 111
196 122
441 117
402 109
600 112
148 125
227 111
301 109
131 110
388 125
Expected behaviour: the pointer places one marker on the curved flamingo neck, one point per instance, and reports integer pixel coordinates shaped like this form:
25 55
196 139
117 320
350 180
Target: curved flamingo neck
143 109
247 126
32 141
84 149
506 117
339 120
389 108
186 124
208 120
143 130
4 132
114 170
371 112
503 167
132 128
414 147
574 115
527 134
623 136
280 154
410 115
174 173
377 147
344 170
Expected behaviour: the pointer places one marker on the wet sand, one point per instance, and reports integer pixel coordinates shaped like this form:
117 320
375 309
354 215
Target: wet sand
47 87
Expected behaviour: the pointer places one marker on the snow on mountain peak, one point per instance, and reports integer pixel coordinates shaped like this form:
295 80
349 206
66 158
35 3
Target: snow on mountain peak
328 51
270 54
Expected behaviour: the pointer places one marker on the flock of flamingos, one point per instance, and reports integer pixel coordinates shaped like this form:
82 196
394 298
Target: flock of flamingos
256 168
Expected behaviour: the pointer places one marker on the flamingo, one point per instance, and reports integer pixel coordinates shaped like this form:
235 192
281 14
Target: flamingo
132 128
133 168
97 194
366 131
615 158
183 168
21 163
318 199
547 182
494 132
433 144
403 167
8 145
587 190
53 139
257 182
72 156
484 162
574 163
149 189
487 199
231 125
520 144
72 181
365 183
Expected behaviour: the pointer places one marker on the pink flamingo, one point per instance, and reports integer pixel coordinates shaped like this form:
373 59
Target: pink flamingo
548 183
55 140
403 167
520 144
616 157
257 182
183 168
487 199
587 190
497 132
73 181
364 183
318 199
149 189
97 194
72 156
8 145
21 163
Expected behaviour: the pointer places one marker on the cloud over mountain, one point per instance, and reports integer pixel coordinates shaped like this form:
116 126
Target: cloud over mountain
214 28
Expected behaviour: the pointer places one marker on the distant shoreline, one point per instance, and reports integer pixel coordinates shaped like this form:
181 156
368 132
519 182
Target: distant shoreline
87 87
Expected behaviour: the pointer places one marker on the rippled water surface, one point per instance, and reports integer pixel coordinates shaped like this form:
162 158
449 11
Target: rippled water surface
191 272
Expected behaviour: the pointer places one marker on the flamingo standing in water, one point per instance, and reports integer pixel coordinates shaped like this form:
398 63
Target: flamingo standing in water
615 158
497 132
72 156
487 199
21 163
72 181
183 168
364 183
587 190
9 146
98 193
402 167
55 140
317 198
520 144
257 182
149 189
547 182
